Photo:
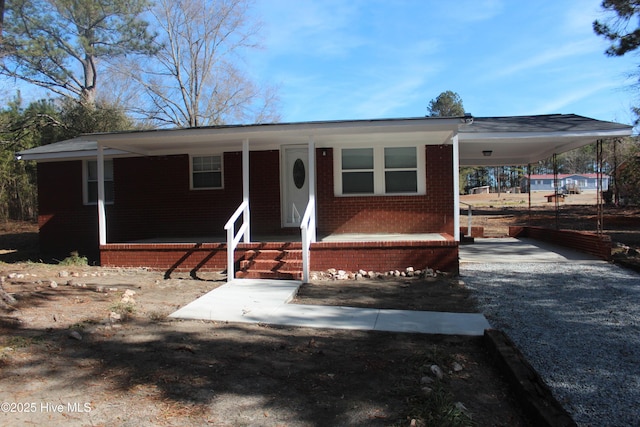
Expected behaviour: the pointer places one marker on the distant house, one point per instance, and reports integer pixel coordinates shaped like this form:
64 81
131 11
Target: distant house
275 200
571 183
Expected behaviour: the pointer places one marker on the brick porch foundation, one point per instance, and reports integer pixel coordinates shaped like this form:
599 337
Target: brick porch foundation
351 256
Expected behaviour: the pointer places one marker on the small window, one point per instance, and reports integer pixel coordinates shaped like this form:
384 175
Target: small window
206 172
91 182
357 171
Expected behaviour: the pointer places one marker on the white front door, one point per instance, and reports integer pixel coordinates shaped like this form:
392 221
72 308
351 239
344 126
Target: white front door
295 184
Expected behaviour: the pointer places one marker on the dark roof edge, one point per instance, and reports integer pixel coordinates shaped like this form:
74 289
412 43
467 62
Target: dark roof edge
283 124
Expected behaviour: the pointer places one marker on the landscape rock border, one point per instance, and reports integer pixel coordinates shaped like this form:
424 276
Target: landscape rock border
530 389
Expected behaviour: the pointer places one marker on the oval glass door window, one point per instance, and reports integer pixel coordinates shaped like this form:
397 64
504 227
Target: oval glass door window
299 174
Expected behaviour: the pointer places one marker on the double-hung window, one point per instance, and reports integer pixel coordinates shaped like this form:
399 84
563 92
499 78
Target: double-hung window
90 187
379 171
206 172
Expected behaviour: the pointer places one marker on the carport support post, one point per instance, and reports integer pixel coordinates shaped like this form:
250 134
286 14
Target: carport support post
102 217
456 187
246 216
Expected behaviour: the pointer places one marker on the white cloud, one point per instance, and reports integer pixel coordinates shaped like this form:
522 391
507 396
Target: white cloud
579 16
564 99
546 57
308 27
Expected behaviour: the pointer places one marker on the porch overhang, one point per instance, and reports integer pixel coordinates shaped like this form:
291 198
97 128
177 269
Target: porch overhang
504 141
273 136
514 140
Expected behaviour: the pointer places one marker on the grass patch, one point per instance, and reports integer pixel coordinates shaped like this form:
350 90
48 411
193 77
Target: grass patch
124 309
157 316
18 341
74 259
433 404
80 326
438 408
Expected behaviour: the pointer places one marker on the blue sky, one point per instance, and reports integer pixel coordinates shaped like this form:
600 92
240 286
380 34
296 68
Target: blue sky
346 59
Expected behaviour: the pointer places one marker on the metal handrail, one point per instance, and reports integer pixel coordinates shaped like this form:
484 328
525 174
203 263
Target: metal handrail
233 239
469 217
308 228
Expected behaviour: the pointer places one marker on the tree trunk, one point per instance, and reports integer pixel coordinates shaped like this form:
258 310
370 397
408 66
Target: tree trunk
88 95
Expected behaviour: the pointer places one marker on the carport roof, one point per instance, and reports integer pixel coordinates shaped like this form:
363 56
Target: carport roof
512 140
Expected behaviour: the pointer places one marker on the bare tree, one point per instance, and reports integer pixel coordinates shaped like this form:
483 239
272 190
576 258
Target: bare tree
195 79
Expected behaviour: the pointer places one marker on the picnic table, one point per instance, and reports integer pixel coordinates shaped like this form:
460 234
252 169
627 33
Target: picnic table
552 197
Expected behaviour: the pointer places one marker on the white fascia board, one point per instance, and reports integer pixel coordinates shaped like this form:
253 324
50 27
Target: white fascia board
493 136
249 131
72 155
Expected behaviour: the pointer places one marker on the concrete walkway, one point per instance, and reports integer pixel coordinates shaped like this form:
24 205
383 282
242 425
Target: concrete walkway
268 301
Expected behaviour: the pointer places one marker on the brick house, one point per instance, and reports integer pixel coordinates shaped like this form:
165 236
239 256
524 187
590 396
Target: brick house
286 197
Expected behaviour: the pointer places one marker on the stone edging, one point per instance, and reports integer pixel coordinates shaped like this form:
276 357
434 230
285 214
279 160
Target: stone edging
531 391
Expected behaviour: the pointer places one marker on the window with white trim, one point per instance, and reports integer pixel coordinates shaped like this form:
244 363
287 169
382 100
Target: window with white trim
400 170
357 171
379 171
90 187
206 172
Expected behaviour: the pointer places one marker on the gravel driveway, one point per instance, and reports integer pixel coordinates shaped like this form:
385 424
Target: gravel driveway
578 324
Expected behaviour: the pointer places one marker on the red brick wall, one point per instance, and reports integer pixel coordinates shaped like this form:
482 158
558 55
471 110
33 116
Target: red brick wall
599 246
167 257
430 213
376 256
65 223
264 190
152 200
385 256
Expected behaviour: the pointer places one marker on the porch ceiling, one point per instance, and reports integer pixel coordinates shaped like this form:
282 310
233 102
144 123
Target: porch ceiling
527 139
520 150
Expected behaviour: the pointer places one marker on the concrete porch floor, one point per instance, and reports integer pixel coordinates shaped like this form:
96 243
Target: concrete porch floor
268 301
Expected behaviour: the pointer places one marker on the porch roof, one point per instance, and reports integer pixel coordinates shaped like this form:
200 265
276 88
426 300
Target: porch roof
511 140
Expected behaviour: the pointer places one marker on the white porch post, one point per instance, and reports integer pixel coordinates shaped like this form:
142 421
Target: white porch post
312 182
246 216
102 216
456 187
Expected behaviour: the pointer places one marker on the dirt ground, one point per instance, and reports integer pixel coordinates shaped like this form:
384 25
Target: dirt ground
97 348
87 352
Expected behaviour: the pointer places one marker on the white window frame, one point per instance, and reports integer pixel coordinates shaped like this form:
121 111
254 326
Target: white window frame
193 156
85 182
379 170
